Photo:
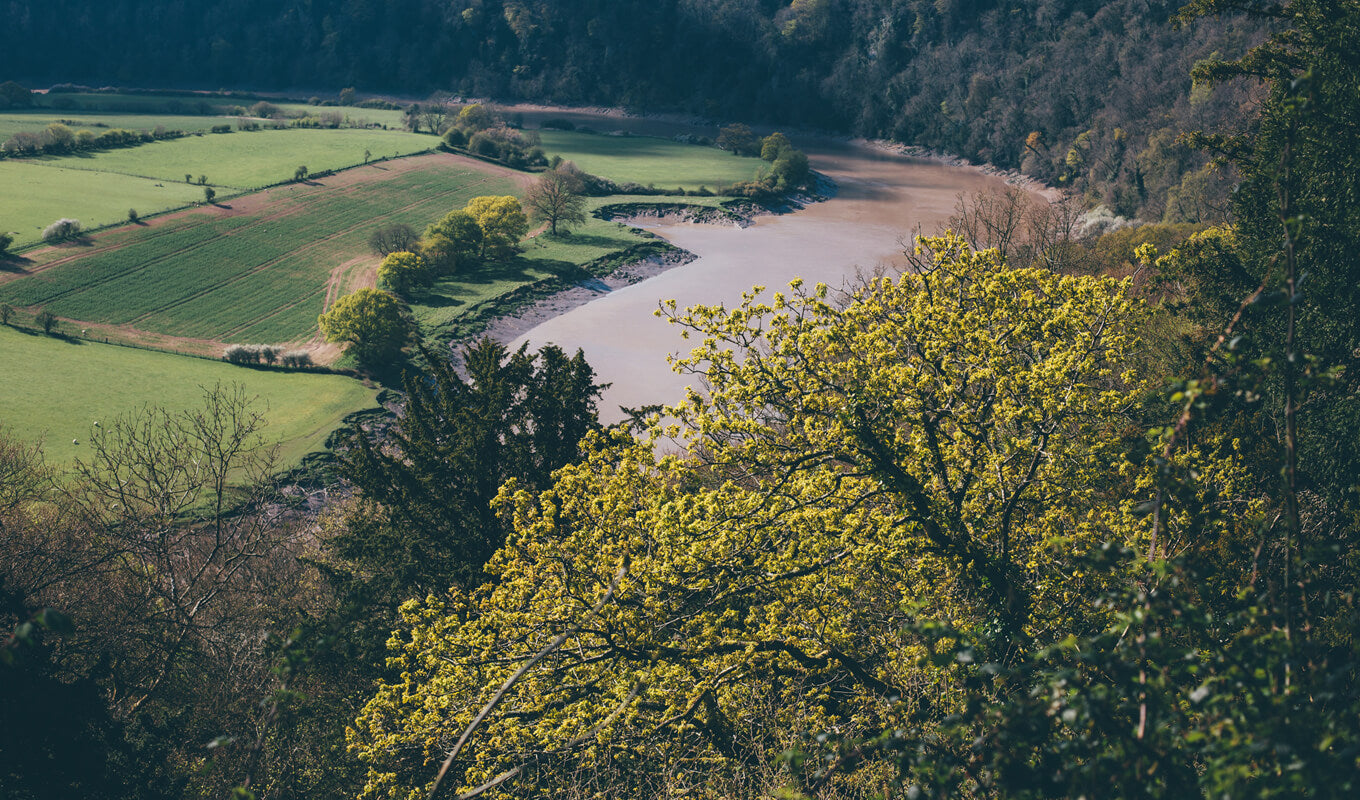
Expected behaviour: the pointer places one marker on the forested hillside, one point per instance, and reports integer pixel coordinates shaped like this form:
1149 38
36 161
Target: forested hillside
1080 92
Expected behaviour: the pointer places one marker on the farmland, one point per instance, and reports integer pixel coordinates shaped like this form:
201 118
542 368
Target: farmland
645 160
35 194
241 161
56 389
260 272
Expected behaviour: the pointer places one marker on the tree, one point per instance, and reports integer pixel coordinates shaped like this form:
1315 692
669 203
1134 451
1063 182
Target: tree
502 222
47 321
371 322
300 174
774 144
209 194
12 95
6 239
477 117
939 447
739 140
425 520
347 96
62 229
555 198
402 271
394 238
6 312
454 242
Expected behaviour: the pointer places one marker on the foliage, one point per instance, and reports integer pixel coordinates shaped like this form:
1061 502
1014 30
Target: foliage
6 239
46 320
395 238
61 230
425 520
555 198
371 322
502 221
452 242
657 617
401 272
739 140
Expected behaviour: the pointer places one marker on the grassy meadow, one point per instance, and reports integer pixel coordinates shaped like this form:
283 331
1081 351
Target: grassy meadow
54 390
645 160
33 195
247 160
262 276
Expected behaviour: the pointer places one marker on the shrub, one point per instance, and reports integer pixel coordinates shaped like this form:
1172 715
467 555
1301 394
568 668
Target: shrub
64 228
239 354
269 353
296 358
47 321
6 240
208 194
132 215
221 129
6 311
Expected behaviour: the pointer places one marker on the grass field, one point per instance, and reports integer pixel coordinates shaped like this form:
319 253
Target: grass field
645 160
11 122
262 276
54 390
35 195
204 106
250 160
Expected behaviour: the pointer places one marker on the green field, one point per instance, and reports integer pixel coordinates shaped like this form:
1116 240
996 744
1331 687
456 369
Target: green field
249 160
645 160
204 106
259 277
54 390
34 195
12 122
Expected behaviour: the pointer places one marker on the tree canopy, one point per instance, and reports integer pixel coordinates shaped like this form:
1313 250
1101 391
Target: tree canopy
928 447
502 221
371 322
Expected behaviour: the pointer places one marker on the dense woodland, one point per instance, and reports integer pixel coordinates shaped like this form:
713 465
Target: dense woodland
1043 517
1087 93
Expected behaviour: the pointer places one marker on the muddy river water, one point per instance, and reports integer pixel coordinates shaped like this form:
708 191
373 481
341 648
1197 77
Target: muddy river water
880 199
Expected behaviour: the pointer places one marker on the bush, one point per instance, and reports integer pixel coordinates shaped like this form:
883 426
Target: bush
47 321
6 311
221 129
558 124
209 194
296 359
62 229
5 241
133 216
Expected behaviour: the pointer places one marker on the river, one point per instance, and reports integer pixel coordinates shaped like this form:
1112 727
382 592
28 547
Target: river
881 199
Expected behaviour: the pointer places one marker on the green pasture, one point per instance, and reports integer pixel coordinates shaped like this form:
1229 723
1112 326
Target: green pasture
202 106
248 160
35 194
645 160
55 390
34 121
248 278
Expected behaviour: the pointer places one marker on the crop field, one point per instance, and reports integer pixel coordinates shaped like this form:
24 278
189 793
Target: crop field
248 160
226 275
645 160
33 195
54 390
